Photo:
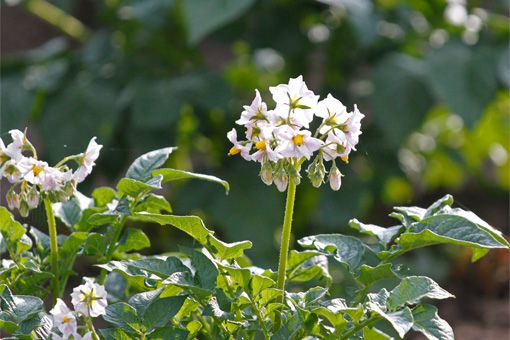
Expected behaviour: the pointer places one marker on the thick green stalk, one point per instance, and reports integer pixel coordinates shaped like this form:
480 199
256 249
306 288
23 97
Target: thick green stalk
52 229
287 227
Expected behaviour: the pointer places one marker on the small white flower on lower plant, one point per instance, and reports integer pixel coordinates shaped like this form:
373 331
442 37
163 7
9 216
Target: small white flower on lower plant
89 298
87 161
64 319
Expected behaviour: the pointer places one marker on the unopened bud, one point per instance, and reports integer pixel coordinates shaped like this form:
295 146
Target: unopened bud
266 173
335 178
294 174
316 172
13 200
32 198
70 188
281 179
23 208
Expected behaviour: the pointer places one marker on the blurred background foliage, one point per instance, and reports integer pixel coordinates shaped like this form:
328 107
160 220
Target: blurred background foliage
431 76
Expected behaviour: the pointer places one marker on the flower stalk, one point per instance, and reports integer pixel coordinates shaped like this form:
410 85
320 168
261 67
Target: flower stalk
52 229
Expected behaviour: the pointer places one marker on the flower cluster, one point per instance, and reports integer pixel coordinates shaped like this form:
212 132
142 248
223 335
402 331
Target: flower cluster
34 177
89 300
281 140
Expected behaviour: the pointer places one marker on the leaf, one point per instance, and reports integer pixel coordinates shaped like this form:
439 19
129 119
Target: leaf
114 334
375 334
161 268
117 210
401 320
124 316
154 310
95 245
203 16
69 249
142 168
370 275
427 322
414 288
194 226
12 231
346 249
154 204
206 272
259 283
438 205
133 239
185 281
448 229
296 258
103 195
17 312
313 268
70 212
169 333
174 175
134 188
333 310
384 235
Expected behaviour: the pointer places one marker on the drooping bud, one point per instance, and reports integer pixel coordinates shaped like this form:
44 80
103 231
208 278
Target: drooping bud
13 200
23 208
32 198
266 173
335 178
293 174
281 179
316 172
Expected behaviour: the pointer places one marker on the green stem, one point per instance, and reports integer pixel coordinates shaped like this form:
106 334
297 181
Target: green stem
58 18
360 326
91 328
112 245
284 247
261 321
52 229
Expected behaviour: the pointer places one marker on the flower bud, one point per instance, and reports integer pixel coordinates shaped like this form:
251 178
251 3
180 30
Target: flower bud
266 173
23 208
316 172
281 179
13 200
335 178
294 174
32 198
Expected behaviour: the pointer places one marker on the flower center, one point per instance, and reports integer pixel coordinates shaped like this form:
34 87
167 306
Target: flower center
261 145
37 169
66 319
233 151
298 140
345 159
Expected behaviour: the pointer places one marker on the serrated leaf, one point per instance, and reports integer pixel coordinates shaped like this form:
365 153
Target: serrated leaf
346 249
427 322
133 239
414 288
142 168
174 175
194 226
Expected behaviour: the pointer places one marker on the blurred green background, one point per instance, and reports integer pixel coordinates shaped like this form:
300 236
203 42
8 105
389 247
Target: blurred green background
432 77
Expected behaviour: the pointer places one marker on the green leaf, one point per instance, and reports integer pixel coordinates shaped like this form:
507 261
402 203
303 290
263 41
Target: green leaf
401 320
185 281
154 204
414 288
313 268
12 231
134 188
384 235
95 245
203 16
169 333
154 310
115 334
143 166
70 212
206 272
174 175
375 334
370 275
346 249
310 297
448 229
112 215
259 283
41 239
133 239
124 316
194 226
18 309
69 249
333 310
145 267
427 322
437 206
103 195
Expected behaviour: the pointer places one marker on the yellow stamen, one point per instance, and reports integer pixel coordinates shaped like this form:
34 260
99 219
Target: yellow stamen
298 140
66 319
345 159
37 170
233 151
261 145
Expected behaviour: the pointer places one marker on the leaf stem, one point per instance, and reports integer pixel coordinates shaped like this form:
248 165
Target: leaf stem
360 326
284 247
52 230
112 245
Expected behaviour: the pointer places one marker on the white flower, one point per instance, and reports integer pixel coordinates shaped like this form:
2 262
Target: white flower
295 102
89 298
15 149
336 146
87 161
243 149
11 171
257 110
333 112
335 178
64 319
34 170
353 127
297 144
